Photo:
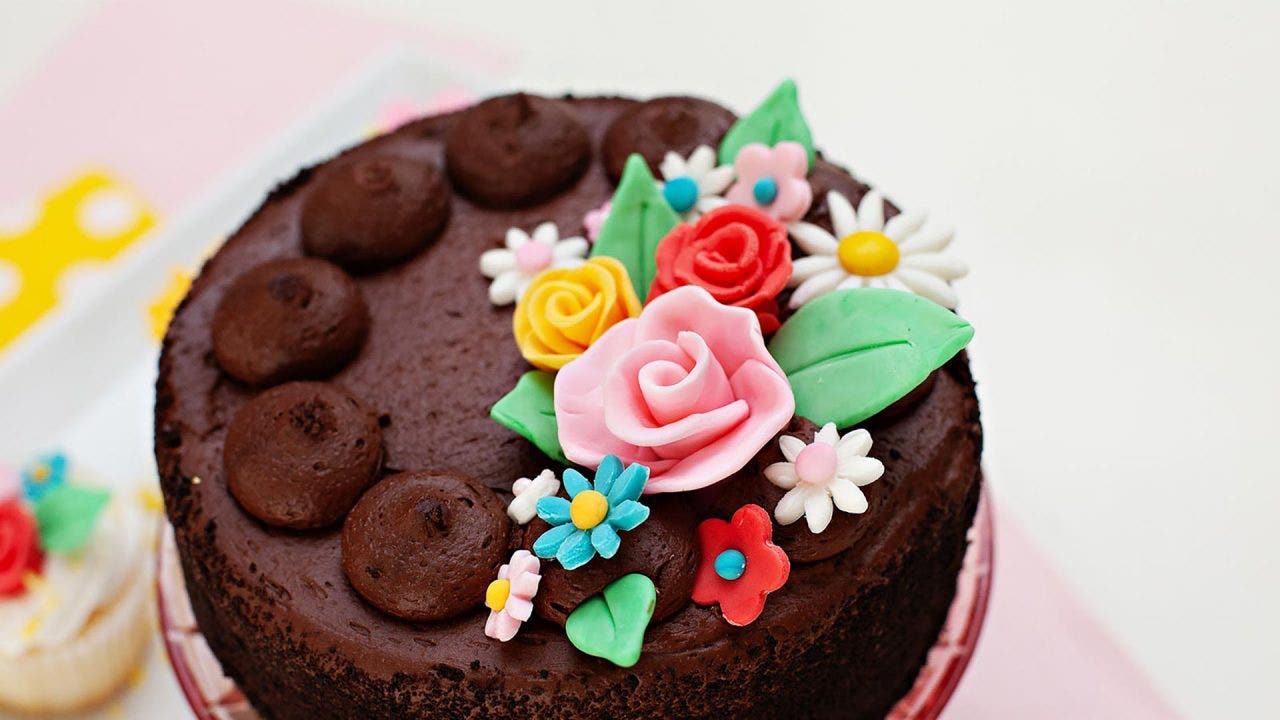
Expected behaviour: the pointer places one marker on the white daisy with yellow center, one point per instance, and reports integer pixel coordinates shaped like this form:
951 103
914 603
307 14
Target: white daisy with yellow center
867 251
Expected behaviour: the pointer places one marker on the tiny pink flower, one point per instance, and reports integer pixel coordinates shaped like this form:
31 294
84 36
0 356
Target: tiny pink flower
773 179
510 597
594 220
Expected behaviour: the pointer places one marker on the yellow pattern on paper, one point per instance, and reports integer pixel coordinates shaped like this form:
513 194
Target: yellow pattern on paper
160 311
59 239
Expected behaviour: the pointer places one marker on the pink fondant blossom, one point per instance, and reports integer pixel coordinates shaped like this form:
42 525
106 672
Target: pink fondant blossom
785 165
523 576
686 389
594 220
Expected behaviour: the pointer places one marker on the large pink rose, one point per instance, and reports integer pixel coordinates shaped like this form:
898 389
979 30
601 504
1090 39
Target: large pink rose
687 389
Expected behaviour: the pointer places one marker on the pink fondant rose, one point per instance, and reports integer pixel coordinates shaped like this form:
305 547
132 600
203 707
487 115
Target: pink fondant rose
687 389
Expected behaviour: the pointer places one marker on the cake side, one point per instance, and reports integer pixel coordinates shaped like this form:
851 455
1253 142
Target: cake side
279 612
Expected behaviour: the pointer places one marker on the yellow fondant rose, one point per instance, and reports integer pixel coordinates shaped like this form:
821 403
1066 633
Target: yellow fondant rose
565 310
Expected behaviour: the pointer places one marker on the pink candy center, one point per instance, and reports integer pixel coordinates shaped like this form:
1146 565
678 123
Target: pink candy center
816 463
533 257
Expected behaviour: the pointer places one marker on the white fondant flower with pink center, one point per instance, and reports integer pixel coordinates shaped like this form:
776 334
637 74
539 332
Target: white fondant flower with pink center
510 597
773 180
524 506
687 389
824 473
513 267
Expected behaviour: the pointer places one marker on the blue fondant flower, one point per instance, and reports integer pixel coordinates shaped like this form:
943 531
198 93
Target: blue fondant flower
588 522
44 475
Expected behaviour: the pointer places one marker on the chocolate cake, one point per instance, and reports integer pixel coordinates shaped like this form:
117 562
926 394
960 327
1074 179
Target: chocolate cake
742 417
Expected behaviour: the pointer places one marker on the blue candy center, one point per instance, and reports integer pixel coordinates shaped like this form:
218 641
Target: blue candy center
681 194
765 190
730 564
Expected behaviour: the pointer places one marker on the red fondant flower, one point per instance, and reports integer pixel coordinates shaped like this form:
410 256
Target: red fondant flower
19 547
738 254
740 564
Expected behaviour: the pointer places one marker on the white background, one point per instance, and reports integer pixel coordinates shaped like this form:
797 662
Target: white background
1114 170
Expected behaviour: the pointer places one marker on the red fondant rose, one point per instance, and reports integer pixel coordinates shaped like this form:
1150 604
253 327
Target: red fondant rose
738 254
19 547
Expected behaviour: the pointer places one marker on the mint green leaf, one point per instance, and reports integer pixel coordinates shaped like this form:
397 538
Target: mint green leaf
611 625
528 409
66 517
776 120
851 353
639 218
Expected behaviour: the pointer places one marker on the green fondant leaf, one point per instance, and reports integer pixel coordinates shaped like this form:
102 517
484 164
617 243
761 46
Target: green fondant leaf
66 517
528 409
777 119
851 353
611 625
639 217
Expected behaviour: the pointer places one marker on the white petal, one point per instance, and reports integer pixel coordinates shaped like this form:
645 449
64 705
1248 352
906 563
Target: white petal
827 434
791 447
930 286
496 261
944 266
818 511
567 262
855 443
843 219
716 181
813 239
847 496
791 506
673 166
516 238
574 247
871 211
782 474
810 265
861 470
505 288
819 284
701 160
930 239
904 224
546 233
707 203
853 281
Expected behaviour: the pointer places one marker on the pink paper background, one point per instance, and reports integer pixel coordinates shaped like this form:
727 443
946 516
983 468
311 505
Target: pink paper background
170 96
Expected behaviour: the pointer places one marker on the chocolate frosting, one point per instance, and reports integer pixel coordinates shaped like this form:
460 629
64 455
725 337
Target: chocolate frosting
299 455
366 214
289 319
843 638
662 125
423 546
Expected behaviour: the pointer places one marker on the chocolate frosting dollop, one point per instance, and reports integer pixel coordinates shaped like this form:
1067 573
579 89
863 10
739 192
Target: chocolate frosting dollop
372 213
653 128
515 150
423 546
664 548
300 454
289 319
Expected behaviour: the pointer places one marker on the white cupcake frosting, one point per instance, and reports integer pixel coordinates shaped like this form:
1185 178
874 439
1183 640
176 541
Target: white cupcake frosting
59 605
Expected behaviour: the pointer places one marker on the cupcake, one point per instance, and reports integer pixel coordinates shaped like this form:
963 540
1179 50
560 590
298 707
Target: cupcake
75 600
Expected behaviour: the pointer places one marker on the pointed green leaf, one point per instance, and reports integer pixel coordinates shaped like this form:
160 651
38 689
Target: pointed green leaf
776 120
851 353
639 217
528 409
611 625
67 515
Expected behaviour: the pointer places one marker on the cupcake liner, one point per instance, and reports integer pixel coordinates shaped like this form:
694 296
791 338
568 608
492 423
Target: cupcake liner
87 671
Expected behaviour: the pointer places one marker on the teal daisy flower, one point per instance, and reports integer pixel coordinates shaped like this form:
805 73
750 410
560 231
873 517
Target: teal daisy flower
588 522
44 475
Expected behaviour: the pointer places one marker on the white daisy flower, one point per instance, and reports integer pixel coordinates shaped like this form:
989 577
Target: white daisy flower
829 471
867 251
695 185
516 265
527 493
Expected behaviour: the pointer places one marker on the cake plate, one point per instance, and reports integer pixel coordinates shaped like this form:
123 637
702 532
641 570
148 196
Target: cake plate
213 696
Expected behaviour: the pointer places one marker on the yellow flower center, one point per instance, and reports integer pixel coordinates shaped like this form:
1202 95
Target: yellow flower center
588 509
495 598
41 474
868 253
